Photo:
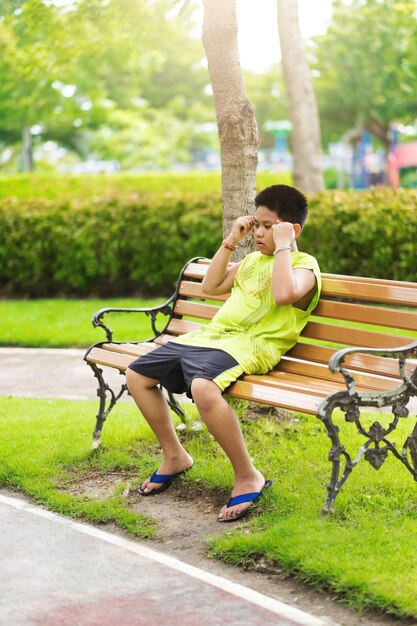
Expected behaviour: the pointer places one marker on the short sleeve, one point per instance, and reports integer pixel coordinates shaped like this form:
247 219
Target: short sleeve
306 261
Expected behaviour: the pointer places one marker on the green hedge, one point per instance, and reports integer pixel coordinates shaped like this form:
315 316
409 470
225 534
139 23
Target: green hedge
364 233
125 243
104 247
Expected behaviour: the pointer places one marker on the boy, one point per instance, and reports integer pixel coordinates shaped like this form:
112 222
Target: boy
273 292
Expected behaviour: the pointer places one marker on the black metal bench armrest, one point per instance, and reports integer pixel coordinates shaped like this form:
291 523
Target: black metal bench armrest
336 362
153 312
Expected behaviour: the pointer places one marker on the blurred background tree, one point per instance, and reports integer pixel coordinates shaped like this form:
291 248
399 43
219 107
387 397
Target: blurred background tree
366 68
236 121
305 136
84 72
126 81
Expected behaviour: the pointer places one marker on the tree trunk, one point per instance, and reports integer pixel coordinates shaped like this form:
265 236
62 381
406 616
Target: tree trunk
305 135
27 153
237 127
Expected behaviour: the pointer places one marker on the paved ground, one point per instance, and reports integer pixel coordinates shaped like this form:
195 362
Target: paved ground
57 572
46 374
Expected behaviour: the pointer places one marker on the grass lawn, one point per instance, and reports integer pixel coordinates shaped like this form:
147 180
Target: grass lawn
50 186
365 551
63 323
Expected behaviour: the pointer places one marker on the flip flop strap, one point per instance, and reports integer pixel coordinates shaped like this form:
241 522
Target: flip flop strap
162 478
244 497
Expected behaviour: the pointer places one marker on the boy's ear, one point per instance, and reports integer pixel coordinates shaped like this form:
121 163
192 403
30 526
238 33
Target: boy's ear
297 229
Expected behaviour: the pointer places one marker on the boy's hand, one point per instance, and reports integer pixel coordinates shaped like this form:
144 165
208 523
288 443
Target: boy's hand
241 228
283 233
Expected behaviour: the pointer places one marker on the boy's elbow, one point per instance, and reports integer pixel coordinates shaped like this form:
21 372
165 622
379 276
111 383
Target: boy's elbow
282 301
282 298
208 287
205 286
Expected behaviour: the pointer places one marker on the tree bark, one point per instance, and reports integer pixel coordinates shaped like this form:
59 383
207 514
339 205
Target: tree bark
27 152
236 122
305 135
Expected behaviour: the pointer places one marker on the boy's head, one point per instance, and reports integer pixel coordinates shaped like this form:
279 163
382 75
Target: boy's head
289 204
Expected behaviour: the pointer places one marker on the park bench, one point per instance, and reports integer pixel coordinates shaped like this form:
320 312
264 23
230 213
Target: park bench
321 373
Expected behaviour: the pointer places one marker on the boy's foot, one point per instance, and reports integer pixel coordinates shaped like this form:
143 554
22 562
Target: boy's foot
244 494
165 475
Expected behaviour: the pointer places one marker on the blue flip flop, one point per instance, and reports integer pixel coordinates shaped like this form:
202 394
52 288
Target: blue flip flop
244 497
166 481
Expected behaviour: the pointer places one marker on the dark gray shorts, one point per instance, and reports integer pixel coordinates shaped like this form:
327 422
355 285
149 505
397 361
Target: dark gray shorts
175 366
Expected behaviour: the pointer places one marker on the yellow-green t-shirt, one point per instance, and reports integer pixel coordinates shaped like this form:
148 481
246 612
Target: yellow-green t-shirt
251 326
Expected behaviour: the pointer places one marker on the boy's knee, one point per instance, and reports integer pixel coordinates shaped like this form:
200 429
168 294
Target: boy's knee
134 379
131 377
204 392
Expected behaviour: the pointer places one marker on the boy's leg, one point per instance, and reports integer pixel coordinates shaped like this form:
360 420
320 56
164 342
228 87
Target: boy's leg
224 425
154 408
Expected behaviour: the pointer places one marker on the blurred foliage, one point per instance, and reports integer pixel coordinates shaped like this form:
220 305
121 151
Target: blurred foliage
108 245
126 80
121 68
364 233
268 96
408 177
366 67
106 236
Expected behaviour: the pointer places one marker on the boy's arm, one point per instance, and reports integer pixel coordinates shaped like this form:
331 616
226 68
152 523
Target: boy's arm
289 286
221 273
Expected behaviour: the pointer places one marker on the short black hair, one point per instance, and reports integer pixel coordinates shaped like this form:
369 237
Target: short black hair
287 202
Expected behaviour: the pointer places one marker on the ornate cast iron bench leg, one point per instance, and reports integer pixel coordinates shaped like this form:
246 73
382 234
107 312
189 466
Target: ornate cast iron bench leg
107 400
377 444
177 408
337 450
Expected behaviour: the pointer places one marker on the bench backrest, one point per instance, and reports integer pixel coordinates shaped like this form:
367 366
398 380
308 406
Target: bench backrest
352 311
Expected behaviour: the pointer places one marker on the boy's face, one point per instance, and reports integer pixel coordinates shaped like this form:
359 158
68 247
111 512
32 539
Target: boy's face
262 231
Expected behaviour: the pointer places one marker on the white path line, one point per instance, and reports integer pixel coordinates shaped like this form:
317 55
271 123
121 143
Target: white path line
259 599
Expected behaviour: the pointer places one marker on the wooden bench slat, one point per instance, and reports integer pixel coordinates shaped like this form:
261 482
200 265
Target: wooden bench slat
299 383
196 270
195 309
204 261
375 292
195 290
382 316
109 358
368 279
315 386
347 336
179 327
322 372
291 400
135 349
162 339
360 362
